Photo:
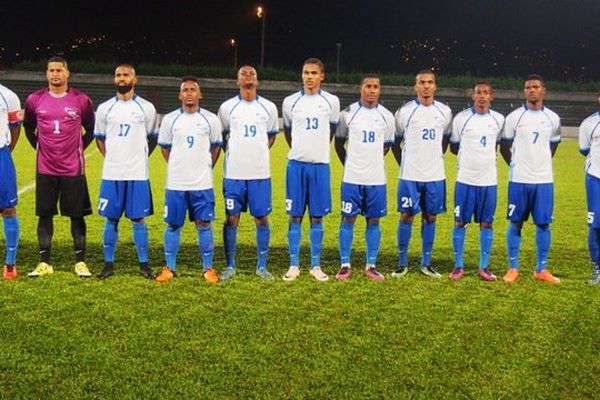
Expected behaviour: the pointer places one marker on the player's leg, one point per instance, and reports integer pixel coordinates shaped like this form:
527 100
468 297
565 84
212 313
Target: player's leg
296 187
259 201
319 205
592 189
75 203
110 206
464 205
176 206
518 211
46 197
204 213
433 201
542 209
351 201
486 201
8 202
408 207
374 207
235 196
138 205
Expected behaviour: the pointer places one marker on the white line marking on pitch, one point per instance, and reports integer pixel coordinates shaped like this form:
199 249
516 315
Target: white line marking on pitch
31 184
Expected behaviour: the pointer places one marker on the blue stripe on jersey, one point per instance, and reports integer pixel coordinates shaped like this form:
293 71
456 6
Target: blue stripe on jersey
272 133
465 124
327 101
116 99
100 136
594 130
5 101
519 120
380 113
206 119
356 112
217 144
495 120
164 145
262 105
435 104
411 115
236 104
296 101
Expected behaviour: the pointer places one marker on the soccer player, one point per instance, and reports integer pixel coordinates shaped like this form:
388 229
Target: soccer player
528 143
10 128
589 145
125 136
53 122
190 141
250 125
310 118
364 136
423 125
475 134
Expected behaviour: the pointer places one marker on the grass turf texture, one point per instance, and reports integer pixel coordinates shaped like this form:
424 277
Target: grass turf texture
127 337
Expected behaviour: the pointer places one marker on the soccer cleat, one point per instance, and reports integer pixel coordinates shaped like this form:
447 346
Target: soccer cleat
457 274
400 271
511 275
318 274
81 270
430 272
9 272
147 273
595 277
211 275
372 273
292 274
345 272
228 273
545 276
264 274
41 270
106 272
165 275
486 275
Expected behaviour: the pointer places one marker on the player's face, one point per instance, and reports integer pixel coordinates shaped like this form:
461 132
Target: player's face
125 79
57 74
312 76
370 91
190 94
534 91
482 97
247 77
425 86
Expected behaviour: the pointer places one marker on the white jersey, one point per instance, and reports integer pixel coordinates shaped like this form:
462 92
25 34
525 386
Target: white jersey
531 132
589 139
125 126
310 118
190 136
10 114
422 128
367 131
478 135
248 125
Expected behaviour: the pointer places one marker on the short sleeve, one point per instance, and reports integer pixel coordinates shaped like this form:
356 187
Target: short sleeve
223 116
342 128
273 122
165 133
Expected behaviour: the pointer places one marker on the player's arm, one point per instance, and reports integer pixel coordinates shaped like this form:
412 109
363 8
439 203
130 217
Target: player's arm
584 139
555 139
287 131
340 148
445 142
454 136
30 125
505 150
397 150
101 146
341 137
215 151
14 125
166 152
553 147
272 140
152 141
87 122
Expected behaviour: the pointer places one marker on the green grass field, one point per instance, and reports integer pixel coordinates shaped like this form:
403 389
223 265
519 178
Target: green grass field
127 337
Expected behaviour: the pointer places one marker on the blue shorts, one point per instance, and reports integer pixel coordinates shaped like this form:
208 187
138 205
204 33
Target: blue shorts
240 194
132 197
198 204
592 191
478 202
8 180
536 199
414 197
307 184
370 201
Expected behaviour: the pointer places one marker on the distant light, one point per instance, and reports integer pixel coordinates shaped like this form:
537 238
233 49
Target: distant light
232 42
259 11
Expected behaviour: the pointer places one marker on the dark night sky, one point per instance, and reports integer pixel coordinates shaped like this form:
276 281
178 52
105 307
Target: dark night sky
556 37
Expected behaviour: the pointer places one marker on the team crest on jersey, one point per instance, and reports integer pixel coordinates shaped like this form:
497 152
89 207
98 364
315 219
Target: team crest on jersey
71 113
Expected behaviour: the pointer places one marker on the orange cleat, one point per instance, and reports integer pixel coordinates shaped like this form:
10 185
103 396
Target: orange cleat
211 275
545 276
165 275
511 275
9 272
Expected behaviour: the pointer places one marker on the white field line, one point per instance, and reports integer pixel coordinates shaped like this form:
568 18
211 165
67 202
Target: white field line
31 185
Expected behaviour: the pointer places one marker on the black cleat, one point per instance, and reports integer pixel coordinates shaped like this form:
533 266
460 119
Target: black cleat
106 272
147 273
